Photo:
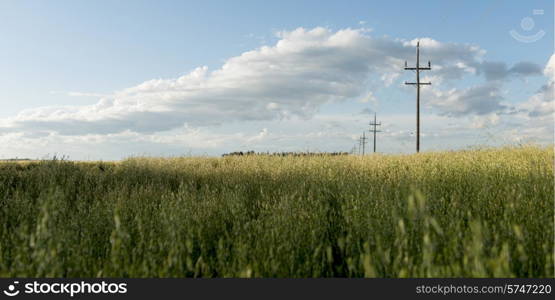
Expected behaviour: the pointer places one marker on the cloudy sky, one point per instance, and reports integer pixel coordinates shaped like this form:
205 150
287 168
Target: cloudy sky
112 79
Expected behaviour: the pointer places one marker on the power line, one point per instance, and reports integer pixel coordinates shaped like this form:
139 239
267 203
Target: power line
418 68
374 124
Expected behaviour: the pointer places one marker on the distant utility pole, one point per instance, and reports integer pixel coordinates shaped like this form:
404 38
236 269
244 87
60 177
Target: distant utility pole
374 124
363 139
418 68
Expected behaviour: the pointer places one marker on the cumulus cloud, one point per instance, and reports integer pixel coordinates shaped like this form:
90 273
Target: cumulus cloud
484 121
79 94
542 103
487 98
500 70
295 77
304 70
478 100
549 70
369 98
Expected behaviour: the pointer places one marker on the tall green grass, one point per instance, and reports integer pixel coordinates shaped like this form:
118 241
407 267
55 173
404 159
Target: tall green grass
482 213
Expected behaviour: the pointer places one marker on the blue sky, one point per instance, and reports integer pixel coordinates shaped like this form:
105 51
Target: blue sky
60 58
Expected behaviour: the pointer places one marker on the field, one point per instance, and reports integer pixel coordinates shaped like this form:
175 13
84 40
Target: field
479 213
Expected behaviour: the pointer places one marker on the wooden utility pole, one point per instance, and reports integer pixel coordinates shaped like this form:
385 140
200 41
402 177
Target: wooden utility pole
374 124
418 68
363 139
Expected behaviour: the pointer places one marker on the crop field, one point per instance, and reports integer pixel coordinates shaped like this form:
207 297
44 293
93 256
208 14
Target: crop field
476 213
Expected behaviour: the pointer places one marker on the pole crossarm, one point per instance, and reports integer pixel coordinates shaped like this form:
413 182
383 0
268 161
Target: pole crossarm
415 68
418 83
418 67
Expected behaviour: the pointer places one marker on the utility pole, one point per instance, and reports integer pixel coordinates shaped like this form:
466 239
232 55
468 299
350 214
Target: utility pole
418 68
363 139
374 124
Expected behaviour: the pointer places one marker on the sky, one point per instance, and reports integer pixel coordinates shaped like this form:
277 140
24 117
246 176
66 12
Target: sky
107 80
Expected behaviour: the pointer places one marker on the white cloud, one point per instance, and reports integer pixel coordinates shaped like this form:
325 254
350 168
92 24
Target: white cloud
261 135
389 78
542 104
499 70
549 70
79 94
476 100
304 70
369 98
480 122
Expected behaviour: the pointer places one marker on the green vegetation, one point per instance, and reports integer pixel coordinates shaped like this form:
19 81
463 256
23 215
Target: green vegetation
478 213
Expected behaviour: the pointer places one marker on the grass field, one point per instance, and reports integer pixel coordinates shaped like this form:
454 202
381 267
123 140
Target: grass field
480 213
